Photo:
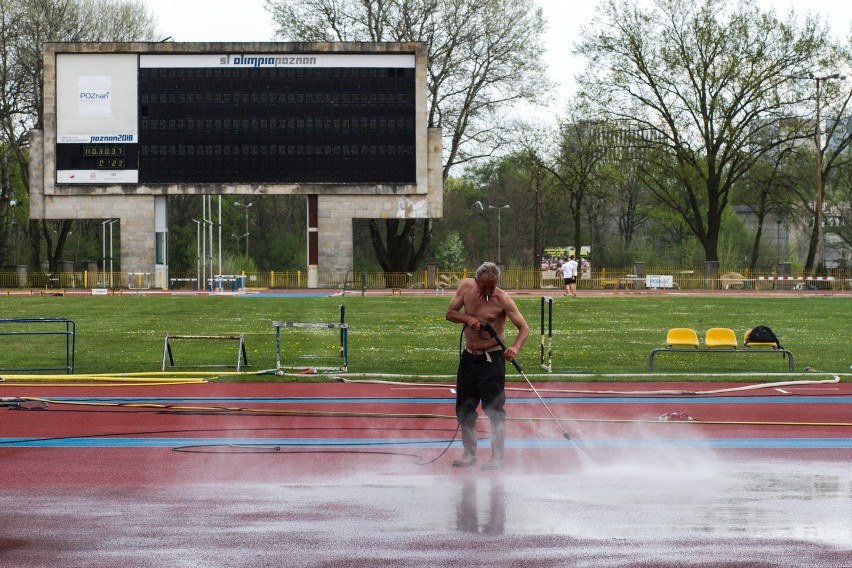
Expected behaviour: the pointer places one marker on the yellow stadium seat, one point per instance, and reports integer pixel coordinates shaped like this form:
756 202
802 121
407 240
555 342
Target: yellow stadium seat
682 337
717 340
720 337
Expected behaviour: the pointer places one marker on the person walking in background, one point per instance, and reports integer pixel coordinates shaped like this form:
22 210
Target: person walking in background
481 375
569 276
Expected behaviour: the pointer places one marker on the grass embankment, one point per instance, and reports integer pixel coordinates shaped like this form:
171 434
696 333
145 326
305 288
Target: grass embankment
409 335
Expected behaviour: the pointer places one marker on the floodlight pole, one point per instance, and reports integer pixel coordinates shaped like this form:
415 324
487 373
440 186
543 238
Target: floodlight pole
818 139
820 244
499 230
197 252
103 250
245 206
481 207
111 273
15 238
210 231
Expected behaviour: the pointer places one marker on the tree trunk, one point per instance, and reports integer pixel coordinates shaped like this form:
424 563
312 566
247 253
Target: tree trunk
537 248
577 215
812 247
401 253
756 246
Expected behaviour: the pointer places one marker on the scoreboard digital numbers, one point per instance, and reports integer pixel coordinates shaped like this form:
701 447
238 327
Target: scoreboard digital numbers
252 119
106 157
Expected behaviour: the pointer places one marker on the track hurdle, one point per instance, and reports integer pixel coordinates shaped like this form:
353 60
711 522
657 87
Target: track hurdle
24 328
241 350
138 280
344 340
548 365
798 279
193 281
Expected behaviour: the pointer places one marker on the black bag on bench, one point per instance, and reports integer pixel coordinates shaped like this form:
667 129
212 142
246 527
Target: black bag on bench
761 334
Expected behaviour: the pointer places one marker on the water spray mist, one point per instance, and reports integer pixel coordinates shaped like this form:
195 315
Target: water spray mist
490 329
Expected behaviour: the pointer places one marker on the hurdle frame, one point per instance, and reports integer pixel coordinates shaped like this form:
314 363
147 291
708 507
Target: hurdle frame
344 340
70 334
138 280
548 366
241 350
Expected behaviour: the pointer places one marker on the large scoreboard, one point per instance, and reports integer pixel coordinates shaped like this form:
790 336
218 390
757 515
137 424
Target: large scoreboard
270 118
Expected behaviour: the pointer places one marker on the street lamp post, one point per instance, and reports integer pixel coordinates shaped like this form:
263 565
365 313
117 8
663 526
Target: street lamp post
479 206
15 238
14 203
778 237
238 237
103 241
245 206
198 281
818 139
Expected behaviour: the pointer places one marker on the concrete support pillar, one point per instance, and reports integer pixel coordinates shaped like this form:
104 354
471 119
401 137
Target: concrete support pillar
138 229
161 241
335 237
313 241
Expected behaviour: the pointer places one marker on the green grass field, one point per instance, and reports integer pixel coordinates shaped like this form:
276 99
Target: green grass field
409 335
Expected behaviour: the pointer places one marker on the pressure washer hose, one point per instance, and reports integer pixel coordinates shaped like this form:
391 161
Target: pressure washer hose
490 329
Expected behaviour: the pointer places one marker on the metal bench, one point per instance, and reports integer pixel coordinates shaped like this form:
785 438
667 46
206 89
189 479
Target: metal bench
716 340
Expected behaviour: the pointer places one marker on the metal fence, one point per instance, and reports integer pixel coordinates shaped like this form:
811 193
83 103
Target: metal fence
700 278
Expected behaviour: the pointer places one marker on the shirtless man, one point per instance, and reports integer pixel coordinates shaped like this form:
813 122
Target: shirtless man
481 375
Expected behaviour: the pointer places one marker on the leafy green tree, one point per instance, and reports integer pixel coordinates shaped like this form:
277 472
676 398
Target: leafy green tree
831 102
510 190
484 57
764 190
449 254
535 160
841 224
707 78
462 218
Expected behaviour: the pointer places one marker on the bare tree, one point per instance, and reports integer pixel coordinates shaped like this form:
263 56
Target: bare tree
843 226
484 56
576 165
25 25
534 142
831 102
765 190
708 77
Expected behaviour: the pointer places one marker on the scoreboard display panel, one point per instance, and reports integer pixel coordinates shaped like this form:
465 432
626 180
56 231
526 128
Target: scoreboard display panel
245 119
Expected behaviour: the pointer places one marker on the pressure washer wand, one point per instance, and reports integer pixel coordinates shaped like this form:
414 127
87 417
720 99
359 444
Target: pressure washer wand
490 329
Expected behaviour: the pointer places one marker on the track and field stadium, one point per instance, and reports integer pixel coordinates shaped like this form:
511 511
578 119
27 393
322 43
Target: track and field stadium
196 468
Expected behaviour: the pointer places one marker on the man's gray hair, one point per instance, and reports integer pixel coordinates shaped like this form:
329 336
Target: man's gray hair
489 270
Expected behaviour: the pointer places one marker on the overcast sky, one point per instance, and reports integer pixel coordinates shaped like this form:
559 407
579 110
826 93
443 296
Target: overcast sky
225 20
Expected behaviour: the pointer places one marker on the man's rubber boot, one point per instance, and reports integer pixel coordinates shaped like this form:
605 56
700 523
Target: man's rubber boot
498 439
468 458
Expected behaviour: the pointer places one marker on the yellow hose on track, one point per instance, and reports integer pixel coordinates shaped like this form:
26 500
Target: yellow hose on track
341 414
110 384
91 380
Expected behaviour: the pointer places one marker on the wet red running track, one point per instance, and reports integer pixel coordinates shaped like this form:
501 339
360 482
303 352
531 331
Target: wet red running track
342 474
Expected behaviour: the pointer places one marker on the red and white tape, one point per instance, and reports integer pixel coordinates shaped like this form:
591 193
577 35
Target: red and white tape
816 278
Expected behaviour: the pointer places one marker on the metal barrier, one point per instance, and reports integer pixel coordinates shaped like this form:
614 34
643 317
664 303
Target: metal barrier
241 350
139 280
69 332
344 340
